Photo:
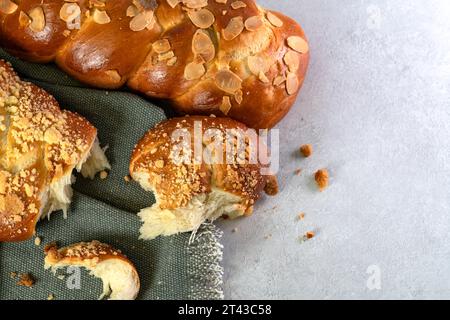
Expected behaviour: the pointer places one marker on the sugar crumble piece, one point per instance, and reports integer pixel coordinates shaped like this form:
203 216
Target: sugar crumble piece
322 179
26 280
306 150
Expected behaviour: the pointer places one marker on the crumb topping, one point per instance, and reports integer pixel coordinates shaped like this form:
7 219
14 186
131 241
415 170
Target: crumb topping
38 144
177 183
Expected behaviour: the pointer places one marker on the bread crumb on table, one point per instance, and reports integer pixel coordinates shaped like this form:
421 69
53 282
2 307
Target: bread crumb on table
298 172
235 230
103 175
50 297
13 275
127 178
301 216
271 187
310 235
37 241
322 179
306 150
26 280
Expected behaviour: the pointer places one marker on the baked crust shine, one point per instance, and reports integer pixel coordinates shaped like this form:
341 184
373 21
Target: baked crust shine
223 57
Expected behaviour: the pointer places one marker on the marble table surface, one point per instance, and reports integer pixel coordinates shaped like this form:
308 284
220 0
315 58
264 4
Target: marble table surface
376 107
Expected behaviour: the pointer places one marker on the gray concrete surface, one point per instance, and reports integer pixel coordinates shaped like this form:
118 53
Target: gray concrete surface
376 106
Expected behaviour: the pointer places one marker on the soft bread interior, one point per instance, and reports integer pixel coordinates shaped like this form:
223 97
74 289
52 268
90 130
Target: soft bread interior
119 278
205 207
58 195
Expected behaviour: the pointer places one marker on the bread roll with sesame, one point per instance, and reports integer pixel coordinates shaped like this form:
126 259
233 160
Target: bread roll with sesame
40 146
223 57
189 189
119 275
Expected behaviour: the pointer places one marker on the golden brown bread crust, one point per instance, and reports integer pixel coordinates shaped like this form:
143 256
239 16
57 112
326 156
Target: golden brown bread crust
110 54
176 184
78 253
39 144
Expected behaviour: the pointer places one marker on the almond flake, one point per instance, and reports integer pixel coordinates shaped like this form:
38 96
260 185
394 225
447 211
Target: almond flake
203 45
228 81
37 19
24 19
253 23
234 28
298 44
274 20
132 11
292 60
7 6
226 105
292 83
161 46
194 71
143 20
202 18
101 17
238 5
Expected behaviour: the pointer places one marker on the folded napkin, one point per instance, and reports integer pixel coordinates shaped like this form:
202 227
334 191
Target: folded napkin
105 210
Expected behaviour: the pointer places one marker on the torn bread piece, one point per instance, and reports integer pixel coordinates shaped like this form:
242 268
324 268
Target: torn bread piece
118 274
191 192
40 146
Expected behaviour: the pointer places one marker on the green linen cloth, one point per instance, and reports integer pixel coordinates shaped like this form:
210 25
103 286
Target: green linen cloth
105 210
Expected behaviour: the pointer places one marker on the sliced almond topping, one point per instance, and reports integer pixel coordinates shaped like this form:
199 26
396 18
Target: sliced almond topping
263 78
238 96
238 4
298 44
7 6
171 62
37 19
279 80
194 71
161 46
166 56
69 12
24 19
256 65
203 45
228 81
173 3
234 28
132 11
274 20
225 107
142 20
100 17
202 18
253 23
195 4
94 3
292 60
292 83
221 1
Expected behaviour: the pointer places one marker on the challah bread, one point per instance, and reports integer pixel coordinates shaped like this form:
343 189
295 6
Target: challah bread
119 276
190 189
222 57
40 145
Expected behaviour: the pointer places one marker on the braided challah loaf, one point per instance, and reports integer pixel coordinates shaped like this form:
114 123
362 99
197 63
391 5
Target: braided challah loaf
40 145
222 57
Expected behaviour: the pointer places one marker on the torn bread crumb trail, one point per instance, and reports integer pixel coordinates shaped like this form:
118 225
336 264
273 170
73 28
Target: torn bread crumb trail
306 150
26 280
310 235
322 179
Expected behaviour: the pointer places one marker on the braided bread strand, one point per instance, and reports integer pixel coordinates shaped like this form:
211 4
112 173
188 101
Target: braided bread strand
223 57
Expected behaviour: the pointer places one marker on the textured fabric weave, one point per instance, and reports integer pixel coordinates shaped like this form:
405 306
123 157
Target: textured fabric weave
105 210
